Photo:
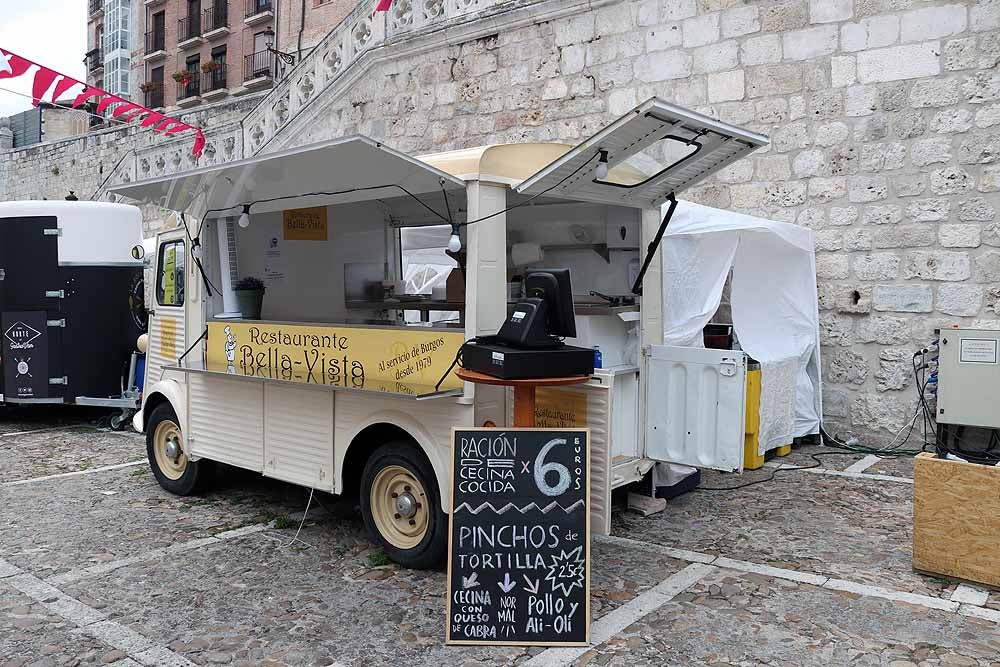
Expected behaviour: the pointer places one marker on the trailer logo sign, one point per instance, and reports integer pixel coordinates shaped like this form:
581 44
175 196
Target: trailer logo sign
20 336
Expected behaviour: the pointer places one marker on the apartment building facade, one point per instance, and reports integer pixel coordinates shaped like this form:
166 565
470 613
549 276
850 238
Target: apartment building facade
199 51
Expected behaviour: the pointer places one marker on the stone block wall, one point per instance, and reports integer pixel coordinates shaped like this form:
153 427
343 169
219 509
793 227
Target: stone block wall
884 117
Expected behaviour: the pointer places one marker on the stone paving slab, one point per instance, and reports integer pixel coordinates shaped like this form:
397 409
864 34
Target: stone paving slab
66 450
749 619
901 466
849 528
829 457
67 524
257 599
30 634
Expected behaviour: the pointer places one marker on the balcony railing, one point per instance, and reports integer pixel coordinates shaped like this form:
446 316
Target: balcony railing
155 41
214 79
258 65
154 98
190 89
255 7
95 6
189 27
94 60
215 17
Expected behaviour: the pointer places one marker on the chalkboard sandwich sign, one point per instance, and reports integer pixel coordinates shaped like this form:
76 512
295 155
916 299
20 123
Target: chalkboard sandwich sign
519 543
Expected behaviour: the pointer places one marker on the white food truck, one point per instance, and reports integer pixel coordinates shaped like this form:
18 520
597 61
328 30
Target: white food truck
335 386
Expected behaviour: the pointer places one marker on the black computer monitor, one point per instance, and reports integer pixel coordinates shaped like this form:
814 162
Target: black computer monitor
553 287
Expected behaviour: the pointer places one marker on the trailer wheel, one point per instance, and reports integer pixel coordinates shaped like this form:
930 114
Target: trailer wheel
401 507
170 465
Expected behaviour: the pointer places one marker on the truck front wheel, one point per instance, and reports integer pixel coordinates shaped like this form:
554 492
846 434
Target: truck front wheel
401 506
171 466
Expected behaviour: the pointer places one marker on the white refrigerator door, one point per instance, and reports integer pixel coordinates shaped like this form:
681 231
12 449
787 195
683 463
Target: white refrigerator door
695 406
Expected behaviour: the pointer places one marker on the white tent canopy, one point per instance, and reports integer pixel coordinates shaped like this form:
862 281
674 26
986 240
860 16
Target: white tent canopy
774 305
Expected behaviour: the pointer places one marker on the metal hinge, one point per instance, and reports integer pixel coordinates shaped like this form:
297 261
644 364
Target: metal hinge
3 274
63 380
57 231
55 294
56 323
647 350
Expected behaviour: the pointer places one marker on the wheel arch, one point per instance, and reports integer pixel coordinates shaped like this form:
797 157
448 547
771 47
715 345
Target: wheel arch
386 427
164 391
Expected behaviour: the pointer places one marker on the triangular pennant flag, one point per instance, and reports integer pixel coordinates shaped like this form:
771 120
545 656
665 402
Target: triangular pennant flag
43 79
87 94
62 86
153 117
383 5
106 102
180 127
122 108
12 65
199 143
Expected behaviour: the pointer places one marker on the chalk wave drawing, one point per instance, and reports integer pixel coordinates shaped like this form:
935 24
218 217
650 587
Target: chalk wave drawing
523 510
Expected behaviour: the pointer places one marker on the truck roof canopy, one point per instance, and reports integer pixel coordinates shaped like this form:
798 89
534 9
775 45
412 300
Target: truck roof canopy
334 172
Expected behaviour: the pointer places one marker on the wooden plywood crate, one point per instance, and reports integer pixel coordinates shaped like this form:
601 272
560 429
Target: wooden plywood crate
956 519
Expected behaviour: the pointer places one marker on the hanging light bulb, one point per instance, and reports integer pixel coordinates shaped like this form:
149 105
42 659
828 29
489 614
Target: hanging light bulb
602 166
244 220
454 241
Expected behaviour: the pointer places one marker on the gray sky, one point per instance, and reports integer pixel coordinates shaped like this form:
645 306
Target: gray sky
50 32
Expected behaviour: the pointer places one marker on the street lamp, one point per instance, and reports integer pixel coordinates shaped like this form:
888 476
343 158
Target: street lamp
287 58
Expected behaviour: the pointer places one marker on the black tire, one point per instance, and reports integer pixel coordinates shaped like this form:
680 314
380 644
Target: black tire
431 550
195 474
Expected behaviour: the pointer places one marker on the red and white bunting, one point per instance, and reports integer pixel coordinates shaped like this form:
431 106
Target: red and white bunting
13 66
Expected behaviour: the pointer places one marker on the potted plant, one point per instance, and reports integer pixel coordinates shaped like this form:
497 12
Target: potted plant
183 77
150 86
211 66
250 295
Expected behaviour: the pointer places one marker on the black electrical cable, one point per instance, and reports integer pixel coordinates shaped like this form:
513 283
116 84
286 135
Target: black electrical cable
813 456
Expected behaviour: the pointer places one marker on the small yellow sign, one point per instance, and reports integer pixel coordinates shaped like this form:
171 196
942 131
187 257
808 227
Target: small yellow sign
168 337
305 224
334 354
560 408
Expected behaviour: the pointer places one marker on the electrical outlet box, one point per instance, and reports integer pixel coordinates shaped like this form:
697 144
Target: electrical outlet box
969 377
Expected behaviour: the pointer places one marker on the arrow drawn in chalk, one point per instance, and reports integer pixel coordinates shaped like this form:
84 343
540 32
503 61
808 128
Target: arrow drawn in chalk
531 587
470 582
506 584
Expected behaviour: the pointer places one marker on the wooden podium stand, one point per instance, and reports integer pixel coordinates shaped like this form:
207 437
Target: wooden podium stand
524 391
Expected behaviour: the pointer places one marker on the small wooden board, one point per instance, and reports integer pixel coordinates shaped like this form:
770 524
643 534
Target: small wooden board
956 519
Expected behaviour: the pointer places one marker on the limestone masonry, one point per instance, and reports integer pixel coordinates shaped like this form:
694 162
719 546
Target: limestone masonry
884 117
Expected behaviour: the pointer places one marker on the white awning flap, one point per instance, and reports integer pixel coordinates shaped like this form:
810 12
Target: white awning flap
344 170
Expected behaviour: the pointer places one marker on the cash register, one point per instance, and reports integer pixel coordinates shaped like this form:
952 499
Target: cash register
530 342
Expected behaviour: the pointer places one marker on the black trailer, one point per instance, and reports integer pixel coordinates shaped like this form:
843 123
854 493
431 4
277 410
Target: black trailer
71 303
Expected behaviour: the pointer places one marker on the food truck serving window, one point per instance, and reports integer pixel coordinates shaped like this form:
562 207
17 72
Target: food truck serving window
170 274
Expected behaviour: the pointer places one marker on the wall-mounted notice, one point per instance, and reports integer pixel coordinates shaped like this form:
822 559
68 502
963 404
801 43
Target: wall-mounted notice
519 547
305 224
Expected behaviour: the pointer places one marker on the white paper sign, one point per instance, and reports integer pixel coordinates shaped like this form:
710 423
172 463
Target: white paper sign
978 351
274 264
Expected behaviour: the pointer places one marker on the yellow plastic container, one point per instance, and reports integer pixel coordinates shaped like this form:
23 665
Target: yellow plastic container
751 459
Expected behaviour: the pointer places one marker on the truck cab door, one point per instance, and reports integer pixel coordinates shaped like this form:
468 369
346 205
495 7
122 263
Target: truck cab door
167 340
695 406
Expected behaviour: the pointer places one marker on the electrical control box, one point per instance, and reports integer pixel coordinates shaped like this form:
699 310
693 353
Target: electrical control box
969 378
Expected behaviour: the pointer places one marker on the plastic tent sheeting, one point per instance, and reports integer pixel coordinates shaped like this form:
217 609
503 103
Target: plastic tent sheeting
774 305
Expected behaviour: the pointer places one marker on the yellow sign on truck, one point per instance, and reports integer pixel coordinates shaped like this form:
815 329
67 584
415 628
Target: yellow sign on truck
335 355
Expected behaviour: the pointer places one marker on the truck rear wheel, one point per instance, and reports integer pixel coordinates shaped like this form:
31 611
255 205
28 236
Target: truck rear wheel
170 465
401 506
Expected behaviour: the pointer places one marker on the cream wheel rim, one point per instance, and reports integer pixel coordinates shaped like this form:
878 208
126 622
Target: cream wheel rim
399 506
170 458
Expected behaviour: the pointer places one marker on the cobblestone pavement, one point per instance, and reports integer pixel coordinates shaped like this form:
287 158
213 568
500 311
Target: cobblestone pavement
100 566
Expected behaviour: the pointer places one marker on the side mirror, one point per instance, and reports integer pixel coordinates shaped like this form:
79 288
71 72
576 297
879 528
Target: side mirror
138 252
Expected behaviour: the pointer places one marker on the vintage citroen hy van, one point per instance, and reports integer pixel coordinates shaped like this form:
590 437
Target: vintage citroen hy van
339 384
